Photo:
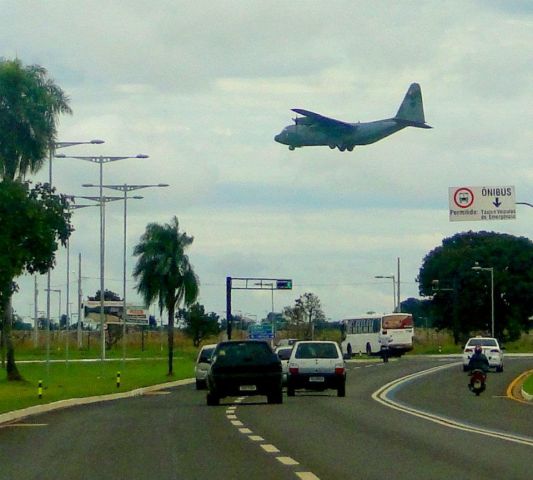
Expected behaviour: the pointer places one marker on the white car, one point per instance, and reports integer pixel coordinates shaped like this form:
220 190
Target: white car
491 349
284 353
316 365
202 365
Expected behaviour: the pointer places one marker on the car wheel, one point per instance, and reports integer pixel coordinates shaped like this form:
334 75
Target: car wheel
199 385
212 399
290 392
275 397
341 391
499 368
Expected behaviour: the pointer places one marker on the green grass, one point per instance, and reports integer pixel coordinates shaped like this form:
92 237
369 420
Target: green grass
528 385
62 381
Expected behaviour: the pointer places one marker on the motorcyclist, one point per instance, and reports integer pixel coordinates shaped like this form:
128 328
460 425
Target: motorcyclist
478 361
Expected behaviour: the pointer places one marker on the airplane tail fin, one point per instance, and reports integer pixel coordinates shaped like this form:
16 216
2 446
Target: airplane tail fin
411 111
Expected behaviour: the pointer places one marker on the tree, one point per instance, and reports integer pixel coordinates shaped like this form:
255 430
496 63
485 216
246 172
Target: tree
307 311
30 104
163 272
461 297
198 324
33 222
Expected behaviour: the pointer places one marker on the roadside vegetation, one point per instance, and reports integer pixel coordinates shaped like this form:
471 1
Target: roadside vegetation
147 363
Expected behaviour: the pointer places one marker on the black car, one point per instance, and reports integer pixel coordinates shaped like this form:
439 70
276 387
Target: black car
244 367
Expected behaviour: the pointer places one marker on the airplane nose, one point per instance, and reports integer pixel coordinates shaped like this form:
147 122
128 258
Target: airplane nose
277 138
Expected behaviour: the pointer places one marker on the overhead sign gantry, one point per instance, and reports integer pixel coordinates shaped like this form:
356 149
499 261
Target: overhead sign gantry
251 283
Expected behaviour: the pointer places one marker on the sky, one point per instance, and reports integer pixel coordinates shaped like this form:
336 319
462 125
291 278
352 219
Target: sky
202 87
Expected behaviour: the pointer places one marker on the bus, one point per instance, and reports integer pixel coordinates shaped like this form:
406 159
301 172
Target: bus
361 335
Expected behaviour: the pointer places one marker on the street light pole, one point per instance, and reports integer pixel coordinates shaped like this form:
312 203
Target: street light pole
393 288
48 290
126 188
100 160
491 270
53 147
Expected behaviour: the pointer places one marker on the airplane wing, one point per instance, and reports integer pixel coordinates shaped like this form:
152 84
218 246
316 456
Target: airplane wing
317 120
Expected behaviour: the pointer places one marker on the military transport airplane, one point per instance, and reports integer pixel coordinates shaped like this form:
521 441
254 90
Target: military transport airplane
314 129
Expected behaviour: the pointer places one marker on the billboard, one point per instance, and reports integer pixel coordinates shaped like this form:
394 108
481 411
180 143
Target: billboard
114 312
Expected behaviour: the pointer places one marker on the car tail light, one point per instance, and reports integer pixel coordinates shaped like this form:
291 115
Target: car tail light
293 370
494 350
339 369
468 350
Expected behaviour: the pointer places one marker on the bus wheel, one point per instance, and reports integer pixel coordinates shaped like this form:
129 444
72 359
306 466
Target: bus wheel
368 349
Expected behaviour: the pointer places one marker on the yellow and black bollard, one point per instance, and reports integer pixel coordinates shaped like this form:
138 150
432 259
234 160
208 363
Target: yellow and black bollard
40 389
118 379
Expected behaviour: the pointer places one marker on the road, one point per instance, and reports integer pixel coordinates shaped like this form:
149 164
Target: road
174 435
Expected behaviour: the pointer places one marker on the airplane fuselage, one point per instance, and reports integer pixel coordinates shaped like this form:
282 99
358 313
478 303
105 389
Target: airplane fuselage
364 134
313 129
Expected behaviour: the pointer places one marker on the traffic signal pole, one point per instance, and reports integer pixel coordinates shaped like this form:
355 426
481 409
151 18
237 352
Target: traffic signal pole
249 283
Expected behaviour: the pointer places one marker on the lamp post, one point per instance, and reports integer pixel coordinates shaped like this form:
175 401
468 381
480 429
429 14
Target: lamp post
101 160
393 288
72 207
48 290
477 268
125 188
53 147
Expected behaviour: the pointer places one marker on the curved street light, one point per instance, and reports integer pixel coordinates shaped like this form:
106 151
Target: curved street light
125 188
100 160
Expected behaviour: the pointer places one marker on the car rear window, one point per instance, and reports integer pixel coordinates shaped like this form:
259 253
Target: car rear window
484 342
240 352
205 354
316 350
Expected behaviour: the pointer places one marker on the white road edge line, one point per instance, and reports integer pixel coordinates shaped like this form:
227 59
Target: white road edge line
381 396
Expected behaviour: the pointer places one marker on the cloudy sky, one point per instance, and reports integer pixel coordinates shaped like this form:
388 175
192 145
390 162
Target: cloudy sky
202 88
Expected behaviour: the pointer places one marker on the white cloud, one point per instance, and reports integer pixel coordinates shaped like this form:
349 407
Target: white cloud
203 88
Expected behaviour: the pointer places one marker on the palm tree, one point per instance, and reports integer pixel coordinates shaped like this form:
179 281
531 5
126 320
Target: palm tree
164 273
30 104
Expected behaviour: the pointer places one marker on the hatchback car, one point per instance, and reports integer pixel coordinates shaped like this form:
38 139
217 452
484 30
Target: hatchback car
316 365
491 349
244 367
203 361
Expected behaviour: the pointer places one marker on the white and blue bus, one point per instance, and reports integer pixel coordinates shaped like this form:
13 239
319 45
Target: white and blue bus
362 335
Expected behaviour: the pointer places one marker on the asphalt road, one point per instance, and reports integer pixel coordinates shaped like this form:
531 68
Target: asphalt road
174 435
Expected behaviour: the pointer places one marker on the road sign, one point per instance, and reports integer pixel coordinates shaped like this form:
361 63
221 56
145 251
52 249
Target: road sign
482 203
260 332
284 284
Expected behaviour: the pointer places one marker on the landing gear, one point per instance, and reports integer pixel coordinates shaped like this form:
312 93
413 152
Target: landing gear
291 147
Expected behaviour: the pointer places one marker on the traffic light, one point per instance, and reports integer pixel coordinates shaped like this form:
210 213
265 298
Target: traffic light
284 284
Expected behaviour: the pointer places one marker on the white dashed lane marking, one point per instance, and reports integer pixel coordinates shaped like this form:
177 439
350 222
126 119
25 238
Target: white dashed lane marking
287 460
267 447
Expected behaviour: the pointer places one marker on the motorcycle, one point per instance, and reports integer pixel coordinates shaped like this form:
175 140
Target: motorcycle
477 381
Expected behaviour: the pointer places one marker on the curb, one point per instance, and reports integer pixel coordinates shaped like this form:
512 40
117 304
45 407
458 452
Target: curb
10 417
526 396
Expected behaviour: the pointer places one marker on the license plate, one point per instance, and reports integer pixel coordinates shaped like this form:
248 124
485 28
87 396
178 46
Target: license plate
316 379
247 388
